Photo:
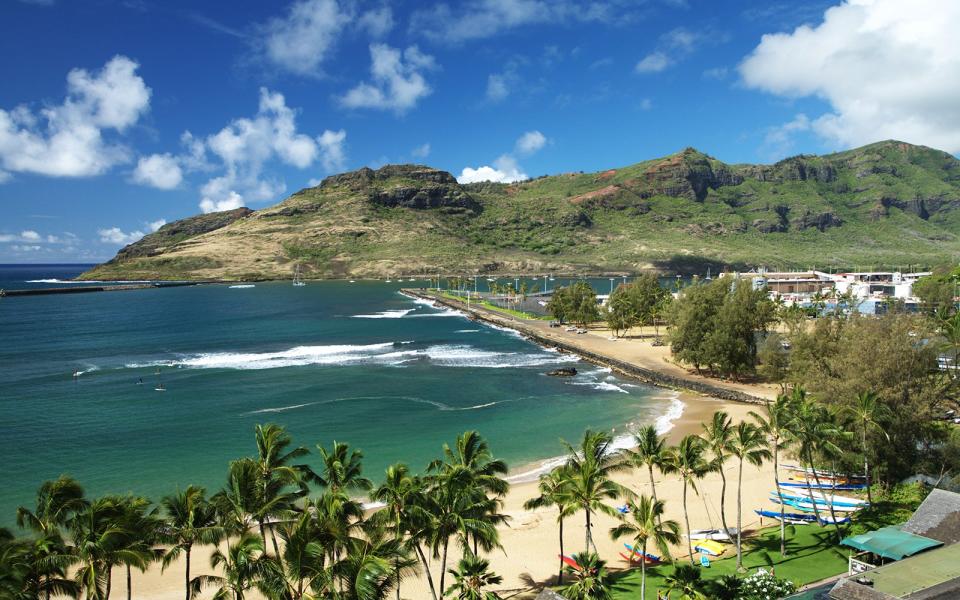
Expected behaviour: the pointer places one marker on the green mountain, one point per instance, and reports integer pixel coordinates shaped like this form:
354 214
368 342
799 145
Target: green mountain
888 203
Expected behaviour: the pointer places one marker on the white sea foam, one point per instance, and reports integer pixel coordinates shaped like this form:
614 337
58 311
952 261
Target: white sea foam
87 369
242 286
388 353
664 422
279 409
605 386
467 331
56 281
387 314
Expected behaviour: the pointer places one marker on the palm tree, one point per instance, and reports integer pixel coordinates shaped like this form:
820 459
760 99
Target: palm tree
101 536
591 581
717 434
277 474
472 453
398 493
237 503
339 519
686 459
368 570
747 444
244 566
470 577
649 452
57 502
589 471
470 467
302 562
190 520
777 427
815 432
553 487
139 548
648 528
31 568
342 469
687 580
868 413
451 507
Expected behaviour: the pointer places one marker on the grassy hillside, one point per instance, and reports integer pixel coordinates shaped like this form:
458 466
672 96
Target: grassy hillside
888 203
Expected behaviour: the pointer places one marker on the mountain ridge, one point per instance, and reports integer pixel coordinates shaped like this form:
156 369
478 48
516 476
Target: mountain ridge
889 202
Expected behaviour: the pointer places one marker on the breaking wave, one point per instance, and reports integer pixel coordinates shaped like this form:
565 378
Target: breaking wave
388 353
387 314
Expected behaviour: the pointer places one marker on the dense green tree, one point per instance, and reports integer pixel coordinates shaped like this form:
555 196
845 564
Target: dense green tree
342 469
576 303
648 530
938 291
773 360
399 493
688 581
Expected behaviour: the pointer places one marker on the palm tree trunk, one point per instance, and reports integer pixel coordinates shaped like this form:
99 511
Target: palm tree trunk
686 518
273 538
560 574
588 538
739 516
263 534
723 501
426 568
643 570
188 572
776 482
129 584
109 569
816 510
866 465
443 565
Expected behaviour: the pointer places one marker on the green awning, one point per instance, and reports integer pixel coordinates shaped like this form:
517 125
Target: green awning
890 542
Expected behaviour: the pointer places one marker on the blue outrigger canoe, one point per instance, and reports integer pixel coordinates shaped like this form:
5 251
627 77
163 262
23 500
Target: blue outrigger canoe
800 517
840 487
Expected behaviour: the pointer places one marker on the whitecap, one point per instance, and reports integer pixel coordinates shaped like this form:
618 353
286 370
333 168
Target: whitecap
387 314
467 331
243 286
279 409
604 386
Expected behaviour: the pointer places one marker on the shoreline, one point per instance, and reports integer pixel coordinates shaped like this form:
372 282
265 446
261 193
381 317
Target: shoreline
661 373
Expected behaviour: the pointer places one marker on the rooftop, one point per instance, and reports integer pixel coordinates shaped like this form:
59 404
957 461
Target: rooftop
929 575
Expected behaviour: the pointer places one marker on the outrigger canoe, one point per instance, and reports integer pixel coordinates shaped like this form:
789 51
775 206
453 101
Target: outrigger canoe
840 487
636 554
807 506
712 534
801 517
710 547
821 499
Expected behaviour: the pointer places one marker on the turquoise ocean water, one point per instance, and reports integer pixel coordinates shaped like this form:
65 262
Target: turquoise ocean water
355 362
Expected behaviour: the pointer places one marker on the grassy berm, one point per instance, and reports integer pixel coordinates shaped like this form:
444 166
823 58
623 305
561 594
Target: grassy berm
889 204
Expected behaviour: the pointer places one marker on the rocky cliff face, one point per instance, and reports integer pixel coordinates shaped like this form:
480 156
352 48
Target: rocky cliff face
407 186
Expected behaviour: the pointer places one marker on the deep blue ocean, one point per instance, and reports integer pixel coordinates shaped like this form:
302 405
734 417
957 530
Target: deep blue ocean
355 362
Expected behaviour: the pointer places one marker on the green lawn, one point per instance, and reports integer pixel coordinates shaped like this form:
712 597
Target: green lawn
811 555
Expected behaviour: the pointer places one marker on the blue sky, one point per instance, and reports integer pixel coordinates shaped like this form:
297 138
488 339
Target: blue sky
119 115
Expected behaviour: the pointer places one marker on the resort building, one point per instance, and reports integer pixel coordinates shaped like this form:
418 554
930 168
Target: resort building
920 559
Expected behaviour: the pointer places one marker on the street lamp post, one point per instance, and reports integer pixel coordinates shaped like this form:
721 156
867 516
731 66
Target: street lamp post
611 285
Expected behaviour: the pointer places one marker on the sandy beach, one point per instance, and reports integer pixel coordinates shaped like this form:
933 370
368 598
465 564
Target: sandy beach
529 558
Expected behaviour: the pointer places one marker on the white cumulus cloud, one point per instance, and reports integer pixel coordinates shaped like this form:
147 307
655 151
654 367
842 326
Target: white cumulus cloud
504 170
67 140
531 142
161 171
155 225
114 235
397 80
303 39
888 69
377 22
30 236
653 63
332 152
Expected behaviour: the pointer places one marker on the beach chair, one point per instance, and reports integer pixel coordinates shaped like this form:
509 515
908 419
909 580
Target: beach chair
704 561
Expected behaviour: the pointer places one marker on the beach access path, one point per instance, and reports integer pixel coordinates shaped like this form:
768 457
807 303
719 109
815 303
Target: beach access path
636 358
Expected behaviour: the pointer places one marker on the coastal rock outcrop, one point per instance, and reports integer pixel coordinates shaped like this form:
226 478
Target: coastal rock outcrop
563 372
